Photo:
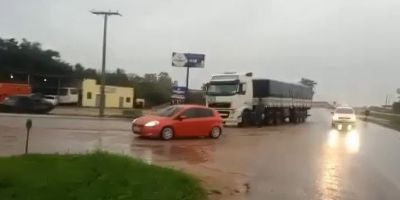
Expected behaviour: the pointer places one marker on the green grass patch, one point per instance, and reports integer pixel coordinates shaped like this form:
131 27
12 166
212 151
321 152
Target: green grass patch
96 176
395 119
132 113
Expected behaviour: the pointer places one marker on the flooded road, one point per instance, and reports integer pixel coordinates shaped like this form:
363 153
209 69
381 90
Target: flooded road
305 161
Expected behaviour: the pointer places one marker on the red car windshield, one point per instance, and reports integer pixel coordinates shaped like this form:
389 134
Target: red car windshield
169 111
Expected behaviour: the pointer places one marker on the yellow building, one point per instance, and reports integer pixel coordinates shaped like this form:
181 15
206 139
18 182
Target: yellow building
116 97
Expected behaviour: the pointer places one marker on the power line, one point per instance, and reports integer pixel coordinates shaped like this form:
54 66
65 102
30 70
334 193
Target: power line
103 66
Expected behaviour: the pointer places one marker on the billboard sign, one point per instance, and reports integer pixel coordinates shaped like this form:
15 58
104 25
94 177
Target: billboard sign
178 90
188 60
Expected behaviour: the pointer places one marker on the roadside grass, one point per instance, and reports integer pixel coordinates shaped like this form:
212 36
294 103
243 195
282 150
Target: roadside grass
92 176
393 120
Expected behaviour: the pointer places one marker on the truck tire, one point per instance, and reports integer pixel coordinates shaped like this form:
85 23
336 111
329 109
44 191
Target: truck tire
292 116
304 116
295 116
269 117
246 119
277 118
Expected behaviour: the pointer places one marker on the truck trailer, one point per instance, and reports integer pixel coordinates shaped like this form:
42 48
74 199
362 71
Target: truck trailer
236 97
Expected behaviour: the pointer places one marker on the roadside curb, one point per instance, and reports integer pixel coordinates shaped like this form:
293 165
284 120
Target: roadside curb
66 116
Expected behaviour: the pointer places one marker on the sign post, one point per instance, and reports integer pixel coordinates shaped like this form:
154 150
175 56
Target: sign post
187 60
28 126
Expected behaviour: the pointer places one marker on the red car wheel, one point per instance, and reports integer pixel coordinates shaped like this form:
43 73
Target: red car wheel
167 133
215 132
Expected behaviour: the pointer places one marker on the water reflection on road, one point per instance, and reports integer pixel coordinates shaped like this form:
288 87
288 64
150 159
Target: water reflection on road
338 146
192 151
350 140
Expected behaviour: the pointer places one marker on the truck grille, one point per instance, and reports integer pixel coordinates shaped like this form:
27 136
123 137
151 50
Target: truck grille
224 114
219 105
344 117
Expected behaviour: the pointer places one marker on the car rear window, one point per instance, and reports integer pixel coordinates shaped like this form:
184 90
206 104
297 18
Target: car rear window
204 112
198 113
344 111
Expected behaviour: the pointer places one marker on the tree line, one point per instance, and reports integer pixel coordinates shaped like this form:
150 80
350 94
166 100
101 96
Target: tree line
19 58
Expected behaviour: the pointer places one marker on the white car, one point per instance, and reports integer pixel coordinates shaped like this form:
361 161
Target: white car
344 118
51 99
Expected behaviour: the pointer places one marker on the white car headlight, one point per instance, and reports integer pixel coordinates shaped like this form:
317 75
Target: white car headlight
152 123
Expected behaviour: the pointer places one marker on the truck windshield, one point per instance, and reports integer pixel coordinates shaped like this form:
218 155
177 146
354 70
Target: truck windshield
222 89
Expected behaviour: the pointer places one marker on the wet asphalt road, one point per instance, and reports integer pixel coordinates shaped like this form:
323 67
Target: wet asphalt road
306 161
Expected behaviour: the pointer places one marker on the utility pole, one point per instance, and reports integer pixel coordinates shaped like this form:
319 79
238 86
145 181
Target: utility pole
103 64
187 85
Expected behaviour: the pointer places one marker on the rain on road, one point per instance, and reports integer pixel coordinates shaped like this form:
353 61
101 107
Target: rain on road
305 161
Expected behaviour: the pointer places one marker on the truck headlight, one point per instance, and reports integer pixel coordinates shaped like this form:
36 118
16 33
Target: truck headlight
152 123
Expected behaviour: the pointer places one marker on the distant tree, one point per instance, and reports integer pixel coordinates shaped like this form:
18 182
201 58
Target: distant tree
26 57
308 82
150 78
155 89
118 78
90 74
79 69
396 107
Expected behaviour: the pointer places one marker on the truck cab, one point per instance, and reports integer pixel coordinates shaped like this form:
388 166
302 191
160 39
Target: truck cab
230 94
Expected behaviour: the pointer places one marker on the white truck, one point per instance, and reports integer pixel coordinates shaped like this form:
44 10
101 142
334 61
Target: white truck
236 96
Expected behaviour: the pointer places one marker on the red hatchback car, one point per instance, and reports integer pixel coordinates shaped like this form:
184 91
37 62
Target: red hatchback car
180 121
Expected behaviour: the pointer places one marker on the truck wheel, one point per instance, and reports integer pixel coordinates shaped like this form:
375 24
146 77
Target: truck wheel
269 117
304 116
245 119
277 118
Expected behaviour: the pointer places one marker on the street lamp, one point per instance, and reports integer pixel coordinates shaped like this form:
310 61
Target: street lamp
11 76
45 79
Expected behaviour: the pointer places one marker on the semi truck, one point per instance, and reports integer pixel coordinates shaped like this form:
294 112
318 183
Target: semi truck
236 95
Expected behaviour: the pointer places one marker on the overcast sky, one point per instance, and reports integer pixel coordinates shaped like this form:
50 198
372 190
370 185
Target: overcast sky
350 47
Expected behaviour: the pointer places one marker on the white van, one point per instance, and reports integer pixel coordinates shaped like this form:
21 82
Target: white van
68 95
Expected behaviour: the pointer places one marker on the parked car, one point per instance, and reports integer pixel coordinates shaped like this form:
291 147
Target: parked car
53 99
180 121
344 118
25 104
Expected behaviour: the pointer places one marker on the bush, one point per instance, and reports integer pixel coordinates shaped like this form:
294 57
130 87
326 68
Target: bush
132 113
396 107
